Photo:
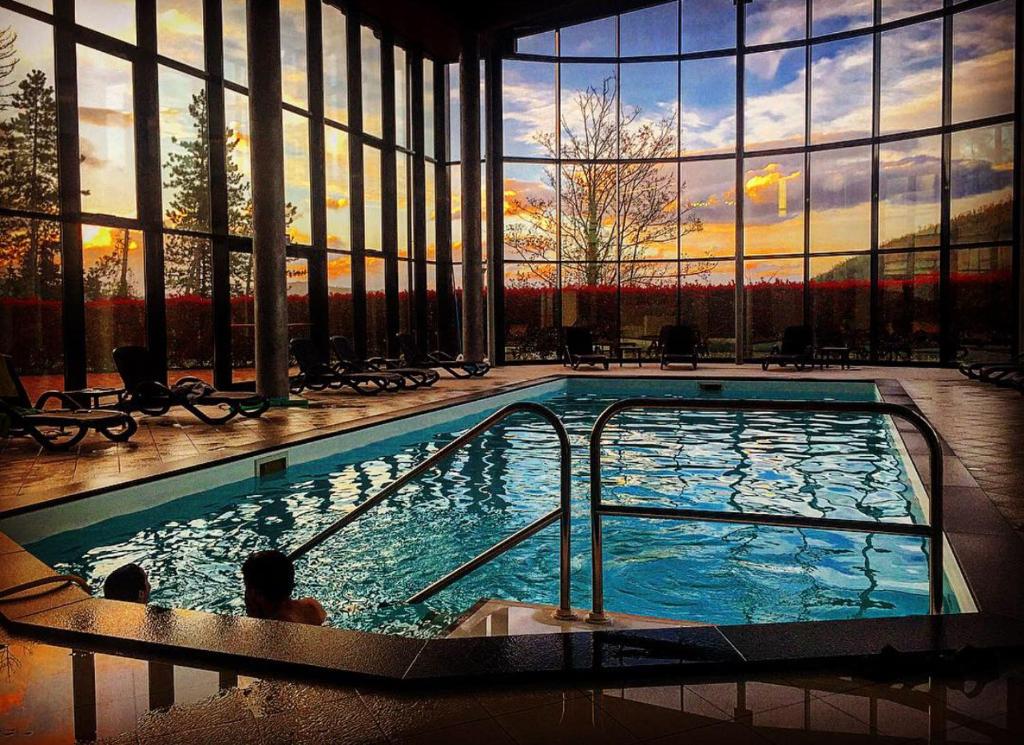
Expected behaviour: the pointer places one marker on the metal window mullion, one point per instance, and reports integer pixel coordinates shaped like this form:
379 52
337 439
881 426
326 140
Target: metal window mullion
389 195
357 215
494 170
316 262
875 298
617 225
739 300
1018 192
448 338
807 171
558 189
946 340
418 203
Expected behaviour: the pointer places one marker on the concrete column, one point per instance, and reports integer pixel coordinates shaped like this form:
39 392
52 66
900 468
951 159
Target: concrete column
473 310
269 282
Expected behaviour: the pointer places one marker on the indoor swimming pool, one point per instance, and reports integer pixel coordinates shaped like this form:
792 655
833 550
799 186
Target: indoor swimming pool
830 465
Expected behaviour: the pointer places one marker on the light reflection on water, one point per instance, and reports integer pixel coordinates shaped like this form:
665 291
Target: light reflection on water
808 464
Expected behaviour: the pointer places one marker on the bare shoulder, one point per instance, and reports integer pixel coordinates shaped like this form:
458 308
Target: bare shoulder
311 610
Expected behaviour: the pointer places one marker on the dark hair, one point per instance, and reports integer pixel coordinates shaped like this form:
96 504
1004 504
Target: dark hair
271 574
125 583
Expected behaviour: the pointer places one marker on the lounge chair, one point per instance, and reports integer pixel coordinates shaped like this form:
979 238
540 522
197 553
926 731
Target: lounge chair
145 391
457 368
55 429
578 348
679 344
796 348
316 373
349 362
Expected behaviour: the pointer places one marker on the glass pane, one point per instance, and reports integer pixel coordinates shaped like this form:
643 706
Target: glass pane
239 175
841 74
588 201
296 179
338 194
401 98
649 31
431 206
841 200
402 198
455 191
112 17
591 39
708 194
708 302
647 122
106 122
648 211
236 53
293 52
909 188
589 298
648 293
528 108
372 197
372 116
982 59
830 17
455 114
335 51
841 302
773 206
531 331
774 107
432 340
774 299
339 294
982 284
589 122
708 24
184 151
28 117
376 307
981 185
895 9
530 218
428 108
243 328
188 292
778 20
30 301
708 111
297 274
911 77
404 297
115 309
909 306
542 43
179 29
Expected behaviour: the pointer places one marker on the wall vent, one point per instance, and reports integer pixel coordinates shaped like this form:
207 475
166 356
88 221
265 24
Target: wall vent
270 465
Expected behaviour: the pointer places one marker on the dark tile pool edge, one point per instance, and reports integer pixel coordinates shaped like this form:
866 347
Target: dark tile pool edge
76 491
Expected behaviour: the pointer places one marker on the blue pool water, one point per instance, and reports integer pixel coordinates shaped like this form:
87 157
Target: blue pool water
841 466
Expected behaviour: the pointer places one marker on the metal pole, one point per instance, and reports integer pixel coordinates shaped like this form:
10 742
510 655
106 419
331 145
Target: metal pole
934 529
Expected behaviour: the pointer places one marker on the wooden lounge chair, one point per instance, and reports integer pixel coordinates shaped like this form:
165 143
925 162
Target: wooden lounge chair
145 391
796 348
457 368
55 429
349 361
679 343
578 348
316 373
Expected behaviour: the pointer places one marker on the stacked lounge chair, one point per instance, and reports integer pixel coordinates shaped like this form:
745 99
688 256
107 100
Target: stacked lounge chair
796 348
578 348
317 373
350 362
457 368
680 343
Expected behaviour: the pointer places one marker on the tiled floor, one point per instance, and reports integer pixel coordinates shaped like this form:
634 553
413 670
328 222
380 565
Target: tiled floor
54 695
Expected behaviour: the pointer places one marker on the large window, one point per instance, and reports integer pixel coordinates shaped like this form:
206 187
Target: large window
798 178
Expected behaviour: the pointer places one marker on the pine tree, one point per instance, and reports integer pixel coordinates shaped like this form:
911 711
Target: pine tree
8 62
110 277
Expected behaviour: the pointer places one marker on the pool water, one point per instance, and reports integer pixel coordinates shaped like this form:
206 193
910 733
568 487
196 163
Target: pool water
840 466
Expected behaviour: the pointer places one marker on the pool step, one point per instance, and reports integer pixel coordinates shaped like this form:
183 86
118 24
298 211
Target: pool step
489 617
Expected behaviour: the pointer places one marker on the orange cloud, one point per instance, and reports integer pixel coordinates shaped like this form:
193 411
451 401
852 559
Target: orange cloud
762 187
337 203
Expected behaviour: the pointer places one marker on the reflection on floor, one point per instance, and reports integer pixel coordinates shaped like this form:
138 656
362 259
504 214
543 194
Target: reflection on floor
53 695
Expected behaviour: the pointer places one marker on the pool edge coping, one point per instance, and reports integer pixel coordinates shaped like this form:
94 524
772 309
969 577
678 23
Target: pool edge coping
85 620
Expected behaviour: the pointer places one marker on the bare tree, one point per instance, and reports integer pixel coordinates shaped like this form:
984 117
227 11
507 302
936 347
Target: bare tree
8 62
608 212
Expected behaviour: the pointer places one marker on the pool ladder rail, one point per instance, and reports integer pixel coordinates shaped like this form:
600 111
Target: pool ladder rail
933 530
561 514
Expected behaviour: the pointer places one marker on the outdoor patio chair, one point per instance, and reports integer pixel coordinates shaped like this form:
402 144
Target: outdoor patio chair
679 343
349 361
578 348
457 368
796 348
145 391
316 373
55 429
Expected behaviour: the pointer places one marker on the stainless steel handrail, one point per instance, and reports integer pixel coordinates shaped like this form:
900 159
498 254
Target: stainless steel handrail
562 512
932 530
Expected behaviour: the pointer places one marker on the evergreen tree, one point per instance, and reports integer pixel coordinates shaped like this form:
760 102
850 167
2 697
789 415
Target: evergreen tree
8 62
110 277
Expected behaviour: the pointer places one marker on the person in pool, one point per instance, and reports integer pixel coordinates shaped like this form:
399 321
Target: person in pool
128 583
269 578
